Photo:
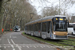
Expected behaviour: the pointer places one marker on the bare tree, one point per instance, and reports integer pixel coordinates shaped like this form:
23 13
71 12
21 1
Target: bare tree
16 14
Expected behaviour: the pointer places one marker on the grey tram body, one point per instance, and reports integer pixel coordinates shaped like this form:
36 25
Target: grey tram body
44 34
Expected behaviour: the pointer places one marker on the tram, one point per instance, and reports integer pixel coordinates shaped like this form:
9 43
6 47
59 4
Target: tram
52 27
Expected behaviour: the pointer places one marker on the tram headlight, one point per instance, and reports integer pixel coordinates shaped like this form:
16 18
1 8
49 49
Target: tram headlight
54 33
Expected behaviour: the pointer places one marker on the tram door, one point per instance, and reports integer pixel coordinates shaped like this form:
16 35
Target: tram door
48 29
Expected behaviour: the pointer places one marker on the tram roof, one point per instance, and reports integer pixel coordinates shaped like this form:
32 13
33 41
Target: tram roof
45 18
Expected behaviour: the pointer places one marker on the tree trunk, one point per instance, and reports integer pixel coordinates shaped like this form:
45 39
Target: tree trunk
0 16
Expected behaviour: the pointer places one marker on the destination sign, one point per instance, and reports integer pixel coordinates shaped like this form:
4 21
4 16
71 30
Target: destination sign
61 19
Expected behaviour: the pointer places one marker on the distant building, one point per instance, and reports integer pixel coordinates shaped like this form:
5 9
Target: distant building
73 19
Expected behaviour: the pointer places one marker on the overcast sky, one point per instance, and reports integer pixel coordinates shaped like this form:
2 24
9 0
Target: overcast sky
39 4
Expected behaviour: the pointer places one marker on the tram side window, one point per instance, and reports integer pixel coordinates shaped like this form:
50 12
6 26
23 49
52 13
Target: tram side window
38 26
25 27
34 27
44 26
48 26
31 27
28 27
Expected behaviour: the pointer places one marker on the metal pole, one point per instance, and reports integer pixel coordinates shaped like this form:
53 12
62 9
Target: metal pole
65 7
59 7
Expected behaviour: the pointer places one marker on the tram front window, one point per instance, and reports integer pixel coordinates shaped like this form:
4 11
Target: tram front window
60 26
16 27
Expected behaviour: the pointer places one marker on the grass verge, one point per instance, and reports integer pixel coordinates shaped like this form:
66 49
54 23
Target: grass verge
52 42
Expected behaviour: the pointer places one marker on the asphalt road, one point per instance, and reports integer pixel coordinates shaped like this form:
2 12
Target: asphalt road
15 41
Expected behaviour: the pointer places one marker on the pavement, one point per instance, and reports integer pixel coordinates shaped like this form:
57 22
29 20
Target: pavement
16 41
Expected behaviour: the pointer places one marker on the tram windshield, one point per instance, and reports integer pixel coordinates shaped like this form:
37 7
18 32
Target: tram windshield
16 27
60 26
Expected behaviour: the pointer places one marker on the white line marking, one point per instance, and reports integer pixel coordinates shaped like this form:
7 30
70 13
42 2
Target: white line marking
27 46
4 46
13 47
41 46
11 44
16 45
12 41
48 46
8 41
34 47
